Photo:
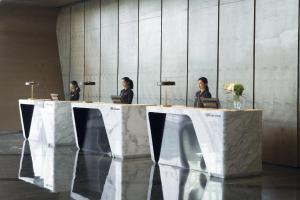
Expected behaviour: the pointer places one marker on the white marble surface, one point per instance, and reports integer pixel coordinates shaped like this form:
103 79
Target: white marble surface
230 140
51 122
126 128
48 167
57 118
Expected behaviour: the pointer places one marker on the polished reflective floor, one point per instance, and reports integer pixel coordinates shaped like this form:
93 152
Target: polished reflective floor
33 171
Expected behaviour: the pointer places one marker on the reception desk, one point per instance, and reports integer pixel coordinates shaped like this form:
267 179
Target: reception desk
224 143
118 130
47 121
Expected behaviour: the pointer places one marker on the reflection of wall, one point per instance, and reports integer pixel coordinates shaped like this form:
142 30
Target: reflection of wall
28 51
253 42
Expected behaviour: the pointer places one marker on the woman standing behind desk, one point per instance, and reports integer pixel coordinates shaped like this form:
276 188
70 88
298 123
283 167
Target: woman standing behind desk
74 91
127 93
202 93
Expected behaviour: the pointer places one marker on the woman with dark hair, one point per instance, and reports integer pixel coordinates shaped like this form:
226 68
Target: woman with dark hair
203 92
74 91
127 93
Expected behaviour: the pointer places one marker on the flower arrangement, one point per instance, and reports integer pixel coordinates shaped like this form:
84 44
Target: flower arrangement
237 89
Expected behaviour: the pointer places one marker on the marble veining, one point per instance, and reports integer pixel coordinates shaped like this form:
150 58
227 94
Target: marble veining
99 177
126 128
230 140
46 166
51 122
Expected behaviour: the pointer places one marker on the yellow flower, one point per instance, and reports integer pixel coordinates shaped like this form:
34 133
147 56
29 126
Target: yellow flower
229 87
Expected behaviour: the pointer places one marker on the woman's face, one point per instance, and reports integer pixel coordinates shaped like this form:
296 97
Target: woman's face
72 87
201 85
124 84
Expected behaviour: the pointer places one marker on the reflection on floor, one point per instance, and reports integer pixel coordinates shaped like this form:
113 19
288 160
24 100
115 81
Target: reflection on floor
65 173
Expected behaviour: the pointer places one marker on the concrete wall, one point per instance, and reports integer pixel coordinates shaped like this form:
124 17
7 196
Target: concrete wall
28 51
254 42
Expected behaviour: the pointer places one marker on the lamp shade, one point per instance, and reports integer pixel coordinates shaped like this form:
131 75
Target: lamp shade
88 83
166 83
31 83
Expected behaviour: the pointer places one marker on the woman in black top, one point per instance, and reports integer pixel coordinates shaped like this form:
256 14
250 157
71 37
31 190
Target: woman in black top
127 93
74 91
202 93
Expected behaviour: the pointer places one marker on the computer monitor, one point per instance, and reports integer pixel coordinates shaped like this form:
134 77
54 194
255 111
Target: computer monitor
54 97
116 99
210 103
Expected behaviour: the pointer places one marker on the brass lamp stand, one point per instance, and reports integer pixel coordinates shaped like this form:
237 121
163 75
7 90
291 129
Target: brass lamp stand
32 84
86 85
166 85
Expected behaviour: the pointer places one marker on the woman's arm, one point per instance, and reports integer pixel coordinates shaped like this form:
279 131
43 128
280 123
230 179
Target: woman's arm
130 97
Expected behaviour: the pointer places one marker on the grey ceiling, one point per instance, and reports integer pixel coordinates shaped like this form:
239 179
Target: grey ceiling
47 3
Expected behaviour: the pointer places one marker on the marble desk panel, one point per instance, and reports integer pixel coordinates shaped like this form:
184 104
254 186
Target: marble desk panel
222 142
26 111
47 121
119 130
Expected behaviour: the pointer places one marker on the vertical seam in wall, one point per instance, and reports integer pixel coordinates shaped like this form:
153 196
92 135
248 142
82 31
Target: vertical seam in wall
83 91
100 52
254 53
187 54
118 48
218 51
298 81
138 55
70 53
161 48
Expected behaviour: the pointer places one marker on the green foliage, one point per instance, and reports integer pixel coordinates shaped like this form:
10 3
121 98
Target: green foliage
238 89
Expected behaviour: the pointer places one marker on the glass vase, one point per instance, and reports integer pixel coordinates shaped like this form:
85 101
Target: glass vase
237 104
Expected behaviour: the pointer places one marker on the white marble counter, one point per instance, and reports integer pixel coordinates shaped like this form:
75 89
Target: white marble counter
225 143
51 121
122 126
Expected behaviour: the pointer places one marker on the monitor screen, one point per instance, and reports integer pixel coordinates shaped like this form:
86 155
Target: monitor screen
211 103
116 99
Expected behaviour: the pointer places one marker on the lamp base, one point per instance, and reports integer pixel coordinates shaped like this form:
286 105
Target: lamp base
166 105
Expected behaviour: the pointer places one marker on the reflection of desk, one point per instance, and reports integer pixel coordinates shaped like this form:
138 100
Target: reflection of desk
226 143
47 121
99 177
47 167
118 130
167 182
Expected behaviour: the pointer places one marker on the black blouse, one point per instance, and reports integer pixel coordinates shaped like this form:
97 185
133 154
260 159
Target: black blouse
199 96
74 96
126 96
